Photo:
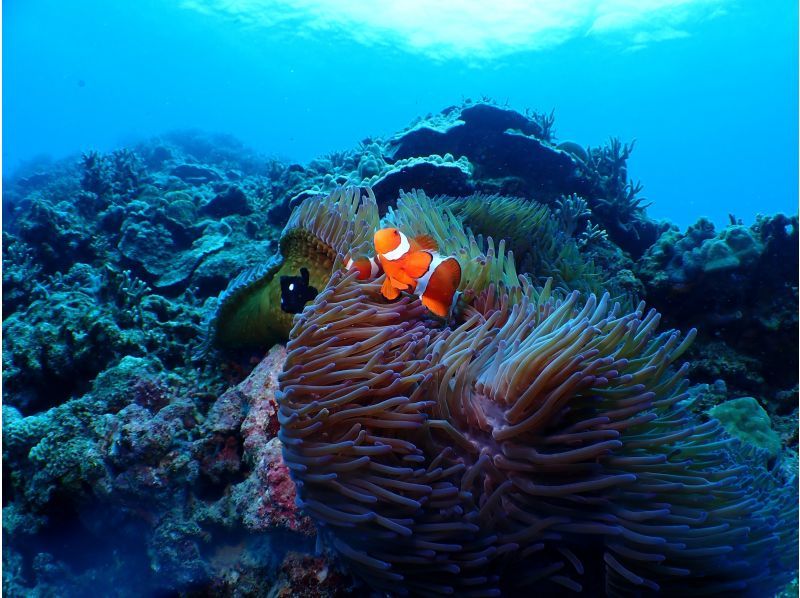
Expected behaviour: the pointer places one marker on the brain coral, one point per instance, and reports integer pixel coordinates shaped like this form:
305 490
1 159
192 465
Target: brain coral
536 441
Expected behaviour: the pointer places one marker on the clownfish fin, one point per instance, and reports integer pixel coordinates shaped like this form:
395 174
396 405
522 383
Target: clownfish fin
401 276
398 284
436 306
426 242
442 285
388 290
415 264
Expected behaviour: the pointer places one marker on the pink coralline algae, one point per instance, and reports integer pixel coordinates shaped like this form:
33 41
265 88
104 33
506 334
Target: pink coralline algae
243 444
261 423
268 497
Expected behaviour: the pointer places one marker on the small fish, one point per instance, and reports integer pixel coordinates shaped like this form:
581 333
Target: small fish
412 265
296 292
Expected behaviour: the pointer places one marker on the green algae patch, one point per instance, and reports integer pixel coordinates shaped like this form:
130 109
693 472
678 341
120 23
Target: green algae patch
320 229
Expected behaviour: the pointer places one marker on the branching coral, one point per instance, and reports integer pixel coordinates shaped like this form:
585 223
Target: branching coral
545 122
20 271
121 172
615 199
540 439
96 173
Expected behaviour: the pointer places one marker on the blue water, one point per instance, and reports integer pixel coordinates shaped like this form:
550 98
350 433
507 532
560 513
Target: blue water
708 88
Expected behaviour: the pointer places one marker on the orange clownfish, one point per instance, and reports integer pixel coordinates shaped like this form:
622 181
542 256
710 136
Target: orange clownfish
412 265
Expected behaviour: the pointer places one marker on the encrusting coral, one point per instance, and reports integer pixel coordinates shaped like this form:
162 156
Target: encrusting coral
537 438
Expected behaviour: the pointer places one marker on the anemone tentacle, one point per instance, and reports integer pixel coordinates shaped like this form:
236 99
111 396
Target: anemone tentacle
540 439
248 312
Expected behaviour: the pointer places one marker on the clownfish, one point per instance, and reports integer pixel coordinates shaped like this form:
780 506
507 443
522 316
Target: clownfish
412 265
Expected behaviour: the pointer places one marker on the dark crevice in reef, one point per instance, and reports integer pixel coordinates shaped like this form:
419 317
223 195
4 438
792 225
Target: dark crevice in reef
8 488
53 390
211 489
65 544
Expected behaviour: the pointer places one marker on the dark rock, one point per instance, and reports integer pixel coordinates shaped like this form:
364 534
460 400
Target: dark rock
148 245
156 157
469 131
499 143
435 175
195 174
180 268
231 201
56 233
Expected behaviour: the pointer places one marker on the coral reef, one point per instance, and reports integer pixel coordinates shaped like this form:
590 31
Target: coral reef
516 155
194 486
482 147
115 270
79 324
436 174
509 151
739 287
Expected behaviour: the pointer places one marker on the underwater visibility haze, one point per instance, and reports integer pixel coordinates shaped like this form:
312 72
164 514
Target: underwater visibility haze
331 298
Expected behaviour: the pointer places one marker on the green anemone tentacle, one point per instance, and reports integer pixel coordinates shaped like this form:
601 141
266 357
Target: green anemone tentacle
321 230
253 316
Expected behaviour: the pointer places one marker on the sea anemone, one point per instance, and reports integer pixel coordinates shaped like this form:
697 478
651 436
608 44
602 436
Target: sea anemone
248 312
537 438
542 243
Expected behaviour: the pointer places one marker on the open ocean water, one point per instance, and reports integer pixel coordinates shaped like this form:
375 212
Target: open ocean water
707 88
197 401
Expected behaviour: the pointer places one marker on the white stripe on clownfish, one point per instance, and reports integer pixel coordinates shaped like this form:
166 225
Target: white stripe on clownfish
422 283
400 250
375 267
